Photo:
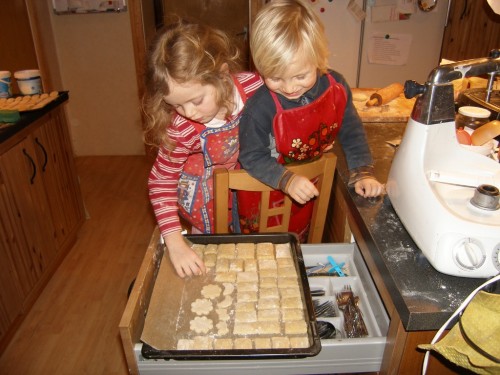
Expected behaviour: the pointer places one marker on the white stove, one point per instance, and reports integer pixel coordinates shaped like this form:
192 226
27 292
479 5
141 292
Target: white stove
446 195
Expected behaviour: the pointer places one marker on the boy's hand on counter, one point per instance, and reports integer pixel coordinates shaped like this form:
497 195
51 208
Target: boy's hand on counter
369 187
183 258
301 189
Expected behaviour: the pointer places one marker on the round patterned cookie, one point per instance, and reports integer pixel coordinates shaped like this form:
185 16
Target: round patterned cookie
201 324
211 291
202 306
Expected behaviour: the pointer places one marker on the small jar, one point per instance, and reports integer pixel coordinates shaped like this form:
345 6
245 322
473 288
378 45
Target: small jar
472 117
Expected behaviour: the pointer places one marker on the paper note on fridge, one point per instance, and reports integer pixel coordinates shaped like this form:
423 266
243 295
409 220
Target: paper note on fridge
388 48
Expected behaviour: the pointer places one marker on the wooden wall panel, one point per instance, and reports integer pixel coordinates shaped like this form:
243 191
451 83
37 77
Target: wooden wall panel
473 30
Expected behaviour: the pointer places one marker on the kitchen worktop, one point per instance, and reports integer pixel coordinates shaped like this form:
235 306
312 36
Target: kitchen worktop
423 297
8 131
397 110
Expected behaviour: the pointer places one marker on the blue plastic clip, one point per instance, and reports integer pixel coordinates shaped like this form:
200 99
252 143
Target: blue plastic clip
336 267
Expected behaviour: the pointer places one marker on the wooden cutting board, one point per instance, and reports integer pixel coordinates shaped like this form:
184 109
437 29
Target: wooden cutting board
397 110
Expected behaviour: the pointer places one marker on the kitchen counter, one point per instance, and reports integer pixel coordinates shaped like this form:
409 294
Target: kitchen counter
417 298
397 110
9 131
423 297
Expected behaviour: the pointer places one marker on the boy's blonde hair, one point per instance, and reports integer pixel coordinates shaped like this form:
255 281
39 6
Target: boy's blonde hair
282 29
185 52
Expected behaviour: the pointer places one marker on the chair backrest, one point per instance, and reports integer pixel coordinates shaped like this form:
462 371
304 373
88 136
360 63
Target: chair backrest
323 169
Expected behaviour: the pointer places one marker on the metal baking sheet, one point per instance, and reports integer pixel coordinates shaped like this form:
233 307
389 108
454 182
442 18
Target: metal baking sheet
172 303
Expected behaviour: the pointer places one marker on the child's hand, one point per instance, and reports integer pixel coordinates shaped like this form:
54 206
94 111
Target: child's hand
369 187
183 258
301 189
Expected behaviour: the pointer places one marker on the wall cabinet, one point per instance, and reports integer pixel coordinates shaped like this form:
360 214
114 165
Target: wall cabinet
41 210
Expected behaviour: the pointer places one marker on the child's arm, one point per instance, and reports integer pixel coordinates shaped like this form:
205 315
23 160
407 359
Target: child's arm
183 258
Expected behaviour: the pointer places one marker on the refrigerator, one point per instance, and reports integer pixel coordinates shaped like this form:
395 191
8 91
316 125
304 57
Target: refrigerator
377 42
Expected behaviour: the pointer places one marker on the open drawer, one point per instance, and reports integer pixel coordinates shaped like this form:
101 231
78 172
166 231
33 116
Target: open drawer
341 354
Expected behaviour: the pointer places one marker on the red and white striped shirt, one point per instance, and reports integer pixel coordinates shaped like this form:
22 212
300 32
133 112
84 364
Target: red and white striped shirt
164 176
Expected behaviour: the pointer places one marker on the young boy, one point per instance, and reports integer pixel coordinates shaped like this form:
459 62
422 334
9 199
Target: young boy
299 112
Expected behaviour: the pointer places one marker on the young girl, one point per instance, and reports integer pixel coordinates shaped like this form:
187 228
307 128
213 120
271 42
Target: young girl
299 112
193 107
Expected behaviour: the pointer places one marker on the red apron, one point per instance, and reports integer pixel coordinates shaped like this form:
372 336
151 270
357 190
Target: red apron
220 149
301 134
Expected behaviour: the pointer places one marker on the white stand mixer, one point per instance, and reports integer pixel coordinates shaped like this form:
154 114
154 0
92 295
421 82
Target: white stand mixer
441 191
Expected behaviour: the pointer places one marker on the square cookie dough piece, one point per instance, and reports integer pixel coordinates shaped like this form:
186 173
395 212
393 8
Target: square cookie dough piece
242 316
269 328
295 327
247 286
299 342
245 329
222 265
288 282
270 315
245 251
265 250
211 248
266 293
223 344
268 303
285 262
289 292
292 303
250 265
246 296
279 342
268 282
243 343
209 260
202 343
283 250
292 314
267 264
226 251
225 277
250 276
236 265
262 343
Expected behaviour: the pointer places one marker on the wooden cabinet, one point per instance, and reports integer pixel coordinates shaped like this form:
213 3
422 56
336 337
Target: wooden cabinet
41 210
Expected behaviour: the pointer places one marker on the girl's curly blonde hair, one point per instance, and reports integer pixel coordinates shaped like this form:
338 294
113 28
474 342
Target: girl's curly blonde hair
185 52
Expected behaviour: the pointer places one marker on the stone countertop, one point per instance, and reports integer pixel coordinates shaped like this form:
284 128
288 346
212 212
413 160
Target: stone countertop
397 110
423 297
8 131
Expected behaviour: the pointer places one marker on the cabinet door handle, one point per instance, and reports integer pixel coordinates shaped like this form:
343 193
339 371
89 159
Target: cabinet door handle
44 154
32 164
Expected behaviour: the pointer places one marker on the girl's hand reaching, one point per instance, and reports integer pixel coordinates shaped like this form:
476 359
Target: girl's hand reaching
301 189
183 258
369 187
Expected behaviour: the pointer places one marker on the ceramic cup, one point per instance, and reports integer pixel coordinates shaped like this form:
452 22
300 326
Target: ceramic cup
29 81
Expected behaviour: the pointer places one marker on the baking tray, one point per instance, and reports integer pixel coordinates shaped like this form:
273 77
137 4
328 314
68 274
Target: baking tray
150 352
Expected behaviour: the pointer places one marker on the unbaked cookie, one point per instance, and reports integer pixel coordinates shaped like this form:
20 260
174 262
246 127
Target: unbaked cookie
202 306
222 328
223 344
201 324
211 291
228 289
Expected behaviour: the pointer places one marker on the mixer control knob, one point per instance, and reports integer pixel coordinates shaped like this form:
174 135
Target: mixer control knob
469 254
413 88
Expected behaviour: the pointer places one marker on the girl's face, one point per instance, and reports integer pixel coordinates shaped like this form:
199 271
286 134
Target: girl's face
195 101
298 78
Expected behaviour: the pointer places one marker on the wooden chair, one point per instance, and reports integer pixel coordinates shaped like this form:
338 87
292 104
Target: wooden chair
225 181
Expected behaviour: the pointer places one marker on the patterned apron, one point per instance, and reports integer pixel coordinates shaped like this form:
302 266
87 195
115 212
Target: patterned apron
302 134
220 149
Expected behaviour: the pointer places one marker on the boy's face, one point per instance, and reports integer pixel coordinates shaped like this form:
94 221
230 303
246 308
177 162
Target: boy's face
195 101
298 78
